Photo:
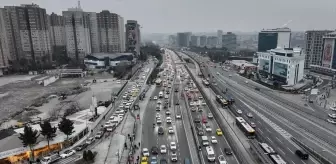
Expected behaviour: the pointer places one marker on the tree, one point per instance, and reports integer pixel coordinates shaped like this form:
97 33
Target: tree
66 126
90 156
29 138
85 155
48 131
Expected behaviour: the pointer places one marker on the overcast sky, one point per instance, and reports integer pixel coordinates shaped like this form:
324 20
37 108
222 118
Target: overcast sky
170 16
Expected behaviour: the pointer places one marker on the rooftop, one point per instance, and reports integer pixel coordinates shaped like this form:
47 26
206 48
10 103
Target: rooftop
284 29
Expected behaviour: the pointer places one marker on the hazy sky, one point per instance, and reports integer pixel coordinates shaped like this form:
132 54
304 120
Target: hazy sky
207 15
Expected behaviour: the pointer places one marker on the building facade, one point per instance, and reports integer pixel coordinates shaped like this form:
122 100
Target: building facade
273 38
57 35
77 33
4 47
219 38
27 35
183 39
229 40
172 40
195 41
203 41
283 65
314 47
133 37
212 41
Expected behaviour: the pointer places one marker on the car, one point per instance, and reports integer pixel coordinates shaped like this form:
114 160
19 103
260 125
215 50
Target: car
219 132
227 151
90 140
168 120
68 153
172 146
213 140
249 115
154 150
178 116
239 111
158 121
193 109
177 103
197 120
176 90
203 103
155 98
160 131
163 149
166 97
170 130
253 125
158 102
331 121
81 147
145 152
230 75
108 123
167 113
163 161
210 115
200 109
173 157
221 159
157 115
153 160
144 160
208 128
186 89
200 132
158 108
332 115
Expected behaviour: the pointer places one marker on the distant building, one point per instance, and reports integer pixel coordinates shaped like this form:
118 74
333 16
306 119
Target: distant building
212 41
77 33
57 34
4 46
314 47
229 40
195 41
203 41
26 31
172 40
283 65
219 39
133 37
183 39
273 38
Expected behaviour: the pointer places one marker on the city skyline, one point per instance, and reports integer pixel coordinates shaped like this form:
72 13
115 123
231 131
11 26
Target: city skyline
253 16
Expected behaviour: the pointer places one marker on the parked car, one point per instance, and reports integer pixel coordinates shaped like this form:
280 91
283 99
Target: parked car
68 153
90 140
81 147
99 135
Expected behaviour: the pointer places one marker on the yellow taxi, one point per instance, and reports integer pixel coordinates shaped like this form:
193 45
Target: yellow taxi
144 160
219 132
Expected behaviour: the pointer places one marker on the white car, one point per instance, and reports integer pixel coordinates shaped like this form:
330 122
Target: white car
193 109
210 115
172 145
157 115
192 103
332 115
158 108
203 103
208 128
239 111
221 159
107 124
68 153
168 120
331 121
166 97
186 89
173 157
145 152
213 140
158 121
170 130
155 98
90 140
178 116
159 102
163 149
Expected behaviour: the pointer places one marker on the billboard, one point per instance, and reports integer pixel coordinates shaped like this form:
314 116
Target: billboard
264 65
328 51
280 69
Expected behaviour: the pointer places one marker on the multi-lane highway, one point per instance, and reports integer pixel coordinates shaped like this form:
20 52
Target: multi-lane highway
151 137
277 119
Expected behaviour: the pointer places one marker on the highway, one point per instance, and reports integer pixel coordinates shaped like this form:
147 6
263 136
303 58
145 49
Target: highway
277 119
151 137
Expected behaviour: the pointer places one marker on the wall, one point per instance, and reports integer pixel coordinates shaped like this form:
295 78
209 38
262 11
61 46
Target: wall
50 80
283 39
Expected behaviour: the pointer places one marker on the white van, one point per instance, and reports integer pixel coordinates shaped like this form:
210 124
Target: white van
50 159
160 94
210 153
205 141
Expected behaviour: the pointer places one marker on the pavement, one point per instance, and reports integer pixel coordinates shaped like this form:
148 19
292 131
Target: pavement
278 119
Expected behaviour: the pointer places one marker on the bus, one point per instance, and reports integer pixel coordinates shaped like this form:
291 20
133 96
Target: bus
267 149
210 154
245 127
276 159
221 100
158 82
205 83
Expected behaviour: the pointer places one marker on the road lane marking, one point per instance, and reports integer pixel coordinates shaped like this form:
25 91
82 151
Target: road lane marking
278 139
293 162
260 131
290 150
303 162
269 139
282 151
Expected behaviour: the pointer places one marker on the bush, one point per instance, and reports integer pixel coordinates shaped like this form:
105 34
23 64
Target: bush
85 155
90 156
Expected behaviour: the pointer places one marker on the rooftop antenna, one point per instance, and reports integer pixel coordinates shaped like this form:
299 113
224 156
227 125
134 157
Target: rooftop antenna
284 25
79 6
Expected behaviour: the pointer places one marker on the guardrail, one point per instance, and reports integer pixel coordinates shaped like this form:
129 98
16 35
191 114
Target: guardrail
312 152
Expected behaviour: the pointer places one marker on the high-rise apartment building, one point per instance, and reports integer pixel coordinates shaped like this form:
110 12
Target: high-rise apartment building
203 41
4 49
273 38
229 40
57 34
133 37
183 39
219 38
212 41
195 41
27 35
314 47
77 33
